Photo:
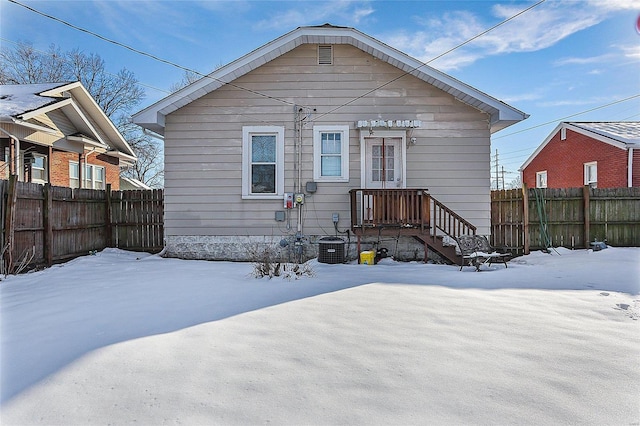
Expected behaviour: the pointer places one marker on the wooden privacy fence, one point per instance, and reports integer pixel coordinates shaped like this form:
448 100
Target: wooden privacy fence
538 218
54 224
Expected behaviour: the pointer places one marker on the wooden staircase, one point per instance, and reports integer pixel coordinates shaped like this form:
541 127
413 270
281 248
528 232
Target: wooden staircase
408 212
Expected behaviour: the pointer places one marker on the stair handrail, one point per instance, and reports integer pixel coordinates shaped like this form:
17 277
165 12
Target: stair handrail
448 221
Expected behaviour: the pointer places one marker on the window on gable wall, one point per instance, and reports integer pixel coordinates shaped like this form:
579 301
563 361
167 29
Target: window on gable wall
591 173
262 162
541 179
331 153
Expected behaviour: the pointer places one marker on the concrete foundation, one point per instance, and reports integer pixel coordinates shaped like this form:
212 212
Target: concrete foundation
286 248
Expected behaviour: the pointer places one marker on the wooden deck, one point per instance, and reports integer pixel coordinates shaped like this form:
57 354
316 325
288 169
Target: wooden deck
407 212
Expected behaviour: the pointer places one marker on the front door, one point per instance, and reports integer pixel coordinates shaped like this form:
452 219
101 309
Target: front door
383 163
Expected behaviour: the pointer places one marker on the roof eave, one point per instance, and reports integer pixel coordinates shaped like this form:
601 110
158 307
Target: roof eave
152 117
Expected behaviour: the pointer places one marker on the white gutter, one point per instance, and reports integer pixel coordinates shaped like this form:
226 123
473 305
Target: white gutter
34 127
152 134
16 165
630 168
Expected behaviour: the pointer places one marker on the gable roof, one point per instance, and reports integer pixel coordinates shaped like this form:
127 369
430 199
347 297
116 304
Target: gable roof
502 115
22 102
621 134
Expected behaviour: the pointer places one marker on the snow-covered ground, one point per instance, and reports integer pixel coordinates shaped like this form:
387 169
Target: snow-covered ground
123 337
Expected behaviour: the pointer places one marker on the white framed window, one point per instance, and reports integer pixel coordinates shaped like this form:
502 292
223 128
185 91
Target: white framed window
94 176
591 173
39 169
563 133
74 174
331 153
541 179
262 162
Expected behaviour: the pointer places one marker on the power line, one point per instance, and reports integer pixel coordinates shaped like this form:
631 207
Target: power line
152 87
569 116
149 55
154 57
106 72
431 60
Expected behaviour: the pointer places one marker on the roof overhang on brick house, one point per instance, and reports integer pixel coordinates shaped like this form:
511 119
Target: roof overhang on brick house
23 105
501 115
620 134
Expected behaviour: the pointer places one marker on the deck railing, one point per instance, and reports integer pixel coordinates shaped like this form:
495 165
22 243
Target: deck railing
405 208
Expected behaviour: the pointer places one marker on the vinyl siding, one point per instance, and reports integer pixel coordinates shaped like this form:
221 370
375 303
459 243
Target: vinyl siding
203 144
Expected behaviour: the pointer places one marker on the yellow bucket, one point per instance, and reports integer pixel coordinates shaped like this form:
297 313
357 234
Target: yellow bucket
368 257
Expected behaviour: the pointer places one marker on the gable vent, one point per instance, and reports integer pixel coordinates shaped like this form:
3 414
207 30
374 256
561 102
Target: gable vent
325 55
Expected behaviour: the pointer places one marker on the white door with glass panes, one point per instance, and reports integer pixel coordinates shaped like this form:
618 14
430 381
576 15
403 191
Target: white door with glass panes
383 166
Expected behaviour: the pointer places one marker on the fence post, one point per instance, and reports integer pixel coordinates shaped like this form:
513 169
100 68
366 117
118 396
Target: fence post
9 224
108 227
47 209
587 214
525 220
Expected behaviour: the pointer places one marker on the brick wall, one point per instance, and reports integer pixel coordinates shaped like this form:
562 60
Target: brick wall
60 168
564 162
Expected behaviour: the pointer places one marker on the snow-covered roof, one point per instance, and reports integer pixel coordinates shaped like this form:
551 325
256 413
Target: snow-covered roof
621 134
502 115
18 99
627 132
131 183
20 103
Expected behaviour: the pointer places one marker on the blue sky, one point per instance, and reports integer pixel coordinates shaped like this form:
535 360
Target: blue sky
559 59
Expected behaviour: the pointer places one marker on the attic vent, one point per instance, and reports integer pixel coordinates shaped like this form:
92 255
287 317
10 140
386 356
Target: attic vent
563 133
325 55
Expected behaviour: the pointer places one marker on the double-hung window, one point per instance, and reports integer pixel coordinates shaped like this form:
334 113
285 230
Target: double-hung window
262 162
331 153
39 169
74 174
541 179
93 178
591 173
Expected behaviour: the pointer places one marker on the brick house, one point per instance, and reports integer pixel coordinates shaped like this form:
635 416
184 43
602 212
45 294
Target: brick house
602 154
56 133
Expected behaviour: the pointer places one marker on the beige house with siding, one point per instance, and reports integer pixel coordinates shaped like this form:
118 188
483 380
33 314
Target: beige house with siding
322 132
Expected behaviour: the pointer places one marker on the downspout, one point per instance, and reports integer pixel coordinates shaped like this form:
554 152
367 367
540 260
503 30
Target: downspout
14 155
630 168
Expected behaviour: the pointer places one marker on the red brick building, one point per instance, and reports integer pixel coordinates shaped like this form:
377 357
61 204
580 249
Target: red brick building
601 154
56 133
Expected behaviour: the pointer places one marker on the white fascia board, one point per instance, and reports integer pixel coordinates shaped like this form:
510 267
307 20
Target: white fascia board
499 111
576 129
122 156
541 146
45 109
593 135
86 100
33 126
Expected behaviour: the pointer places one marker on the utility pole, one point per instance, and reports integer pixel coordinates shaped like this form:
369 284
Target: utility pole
497 176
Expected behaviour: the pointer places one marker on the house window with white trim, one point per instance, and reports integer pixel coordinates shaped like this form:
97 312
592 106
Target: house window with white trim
94 176
591 173
39 169
331 153
74 174
541 179
262 161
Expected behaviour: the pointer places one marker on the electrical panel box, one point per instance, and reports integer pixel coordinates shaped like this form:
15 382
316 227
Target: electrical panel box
299 199
288 200
335 217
